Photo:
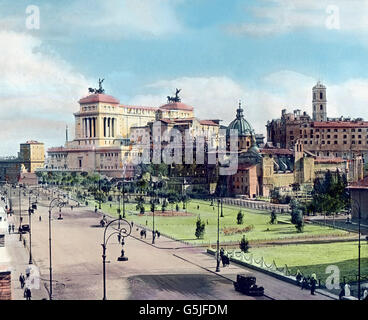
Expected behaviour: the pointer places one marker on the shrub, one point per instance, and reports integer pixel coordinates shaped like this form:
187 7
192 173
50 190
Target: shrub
239 218
244 245
200 228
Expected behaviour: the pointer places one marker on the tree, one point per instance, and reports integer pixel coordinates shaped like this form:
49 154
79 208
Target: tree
244 245
200 228
239 217
273 219
297 219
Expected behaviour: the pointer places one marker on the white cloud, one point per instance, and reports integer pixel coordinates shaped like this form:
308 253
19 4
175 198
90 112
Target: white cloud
38 92
282 16
116 19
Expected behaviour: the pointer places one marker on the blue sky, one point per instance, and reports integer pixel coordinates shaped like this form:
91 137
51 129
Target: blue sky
268 53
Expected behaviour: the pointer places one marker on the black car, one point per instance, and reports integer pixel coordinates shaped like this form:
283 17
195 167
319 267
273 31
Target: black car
25 228
247 284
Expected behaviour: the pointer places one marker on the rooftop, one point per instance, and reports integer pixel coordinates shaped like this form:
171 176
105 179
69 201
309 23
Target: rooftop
99 97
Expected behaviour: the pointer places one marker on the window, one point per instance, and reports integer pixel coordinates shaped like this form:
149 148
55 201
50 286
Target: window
335 142
321 107
335 136
321 95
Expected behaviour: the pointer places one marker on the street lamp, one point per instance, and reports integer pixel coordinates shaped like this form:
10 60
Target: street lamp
218 237
30 211
357 206
122 228
20 216
54 203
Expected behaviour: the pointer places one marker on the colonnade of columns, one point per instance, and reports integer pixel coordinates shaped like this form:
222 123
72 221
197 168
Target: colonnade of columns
109 125
89 127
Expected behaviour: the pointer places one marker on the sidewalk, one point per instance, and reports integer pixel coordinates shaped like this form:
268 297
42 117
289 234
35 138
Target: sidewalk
16 256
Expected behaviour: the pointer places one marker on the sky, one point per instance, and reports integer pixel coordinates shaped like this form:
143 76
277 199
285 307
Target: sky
266 53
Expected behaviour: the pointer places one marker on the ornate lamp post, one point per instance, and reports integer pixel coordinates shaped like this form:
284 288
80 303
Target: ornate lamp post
55 203
20 215
357 207
31 208
218 237
122 228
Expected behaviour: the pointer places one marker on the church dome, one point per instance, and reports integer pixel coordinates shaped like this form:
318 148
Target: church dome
240 124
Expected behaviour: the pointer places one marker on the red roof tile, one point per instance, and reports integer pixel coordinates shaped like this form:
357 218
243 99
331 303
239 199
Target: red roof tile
329 160
98 97
340 124
177 106
361 184
276 151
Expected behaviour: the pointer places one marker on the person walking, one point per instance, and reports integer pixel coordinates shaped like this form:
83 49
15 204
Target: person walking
21 280
9 228
13 227
298 277
313 283
27 294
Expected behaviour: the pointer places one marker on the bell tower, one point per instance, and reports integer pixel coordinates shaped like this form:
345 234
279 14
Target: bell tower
319 102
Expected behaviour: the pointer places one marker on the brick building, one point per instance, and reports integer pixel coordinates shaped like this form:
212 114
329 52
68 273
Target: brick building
325 137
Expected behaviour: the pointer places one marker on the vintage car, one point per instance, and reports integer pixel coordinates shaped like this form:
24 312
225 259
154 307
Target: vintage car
25 228
247 284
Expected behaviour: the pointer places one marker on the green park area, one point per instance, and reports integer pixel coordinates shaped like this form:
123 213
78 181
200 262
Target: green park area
315 258
256 224
308 258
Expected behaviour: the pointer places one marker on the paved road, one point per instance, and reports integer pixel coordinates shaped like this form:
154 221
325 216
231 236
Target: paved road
169 270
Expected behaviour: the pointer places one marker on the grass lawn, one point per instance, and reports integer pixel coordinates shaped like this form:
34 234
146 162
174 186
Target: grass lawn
183 228
314 258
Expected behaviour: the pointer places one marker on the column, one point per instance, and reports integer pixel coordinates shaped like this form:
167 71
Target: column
94 127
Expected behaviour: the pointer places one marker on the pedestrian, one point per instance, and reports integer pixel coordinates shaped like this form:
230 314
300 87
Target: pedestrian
9 228
342 293
197 207
71 208
21 280
39 218
304 283
13 227
313 283
145 234
24 243
27 294
298 277
132 224
141 234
